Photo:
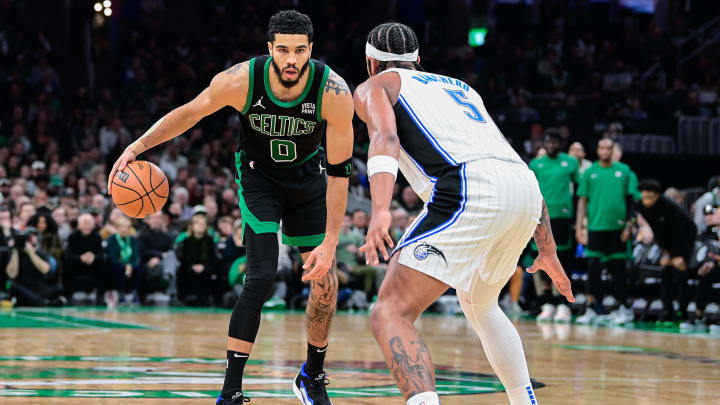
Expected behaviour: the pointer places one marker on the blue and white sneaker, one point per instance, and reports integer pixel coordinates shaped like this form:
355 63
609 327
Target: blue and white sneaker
311 390
238 398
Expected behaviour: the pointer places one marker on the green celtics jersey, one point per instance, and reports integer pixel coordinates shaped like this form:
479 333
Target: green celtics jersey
555 176
278 133
607 189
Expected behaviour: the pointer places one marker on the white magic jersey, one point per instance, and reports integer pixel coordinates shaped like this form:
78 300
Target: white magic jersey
482 203
442 121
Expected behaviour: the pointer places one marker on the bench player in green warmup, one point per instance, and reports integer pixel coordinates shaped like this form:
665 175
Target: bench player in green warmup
287 103
556 172
606 194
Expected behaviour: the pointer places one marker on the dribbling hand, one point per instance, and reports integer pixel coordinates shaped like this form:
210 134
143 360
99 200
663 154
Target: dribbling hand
319 262
126 157
376 238
550 264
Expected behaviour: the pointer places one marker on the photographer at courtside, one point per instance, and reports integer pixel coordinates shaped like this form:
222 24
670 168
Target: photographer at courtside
27 272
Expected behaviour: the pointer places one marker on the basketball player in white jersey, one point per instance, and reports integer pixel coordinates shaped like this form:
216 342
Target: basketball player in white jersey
482 205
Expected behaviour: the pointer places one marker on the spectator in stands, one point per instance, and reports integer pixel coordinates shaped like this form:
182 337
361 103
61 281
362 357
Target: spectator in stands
172 160
410 201
198 260
360 222
83 261
47 233
708 274
112 136
232 260
674 231
59 215
123 258
676 196
182 196
28 271
6 240
351 261
578 152
27 210
398 225
605 194
154 244
556 172
711 199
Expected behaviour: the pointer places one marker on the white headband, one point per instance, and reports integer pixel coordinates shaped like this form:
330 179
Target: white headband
375 53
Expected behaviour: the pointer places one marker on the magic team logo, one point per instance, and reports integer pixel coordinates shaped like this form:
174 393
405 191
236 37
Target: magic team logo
95 377
423 251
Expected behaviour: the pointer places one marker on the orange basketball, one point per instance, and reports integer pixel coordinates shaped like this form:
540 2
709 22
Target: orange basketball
141 189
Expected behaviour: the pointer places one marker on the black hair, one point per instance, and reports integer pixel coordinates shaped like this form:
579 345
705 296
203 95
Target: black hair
289 22
394 38
650 185
552 133
50 224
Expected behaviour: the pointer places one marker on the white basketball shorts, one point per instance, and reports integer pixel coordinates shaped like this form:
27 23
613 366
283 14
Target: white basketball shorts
476 223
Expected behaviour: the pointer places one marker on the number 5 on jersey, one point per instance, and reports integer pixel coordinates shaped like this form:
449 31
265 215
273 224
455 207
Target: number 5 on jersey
460 97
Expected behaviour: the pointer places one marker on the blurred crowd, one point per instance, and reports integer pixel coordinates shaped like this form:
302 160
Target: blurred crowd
564 68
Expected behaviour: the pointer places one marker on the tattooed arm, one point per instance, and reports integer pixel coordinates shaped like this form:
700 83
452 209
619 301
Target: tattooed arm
227 88
543 233
547 259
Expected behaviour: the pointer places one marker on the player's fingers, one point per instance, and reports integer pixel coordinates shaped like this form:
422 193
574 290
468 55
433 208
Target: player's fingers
109 185
123 163
368 248
309 261
382 248
371 252
388 239
567 292
532 269
113 171
316 273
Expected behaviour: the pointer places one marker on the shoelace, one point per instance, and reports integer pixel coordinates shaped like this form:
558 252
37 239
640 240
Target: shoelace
318 384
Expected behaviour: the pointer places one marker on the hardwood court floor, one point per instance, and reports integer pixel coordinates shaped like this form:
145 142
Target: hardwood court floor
83 356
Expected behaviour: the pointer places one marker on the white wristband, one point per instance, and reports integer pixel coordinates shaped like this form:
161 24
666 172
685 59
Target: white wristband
382 164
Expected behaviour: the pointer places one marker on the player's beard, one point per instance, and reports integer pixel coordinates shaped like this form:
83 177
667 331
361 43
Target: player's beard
289 83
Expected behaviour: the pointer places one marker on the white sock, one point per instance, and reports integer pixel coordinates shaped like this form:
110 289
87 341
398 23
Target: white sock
424 398
522 395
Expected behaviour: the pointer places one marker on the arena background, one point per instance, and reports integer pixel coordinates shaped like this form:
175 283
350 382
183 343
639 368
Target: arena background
80 80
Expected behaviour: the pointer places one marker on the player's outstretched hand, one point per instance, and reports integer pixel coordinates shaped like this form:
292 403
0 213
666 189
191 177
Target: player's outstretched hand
550 264
319 262
127 157
376 238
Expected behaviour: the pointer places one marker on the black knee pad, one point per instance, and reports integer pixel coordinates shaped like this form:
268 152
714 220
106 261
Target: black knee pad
245 318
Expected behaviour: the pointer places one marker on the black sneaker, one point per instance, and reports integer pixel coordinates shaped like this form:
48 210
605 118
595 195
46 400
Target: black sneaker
237 400
309 390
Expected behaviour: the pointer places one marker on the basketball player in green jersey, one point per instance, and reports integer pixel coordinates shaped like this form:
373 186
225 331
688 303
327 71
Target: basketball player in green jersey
287 102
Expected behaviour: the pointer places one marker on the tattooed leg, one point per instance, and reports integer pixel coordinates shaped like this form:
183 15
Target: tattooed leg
404 294
321 307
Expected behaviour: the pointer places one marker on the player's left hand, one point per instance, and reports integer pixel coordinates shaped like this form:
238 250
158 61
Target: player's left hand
377 236
319 262
550 264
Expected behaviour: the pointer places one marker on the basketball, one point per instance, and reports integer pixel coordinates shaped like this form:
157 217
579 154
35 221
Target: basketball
141 189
